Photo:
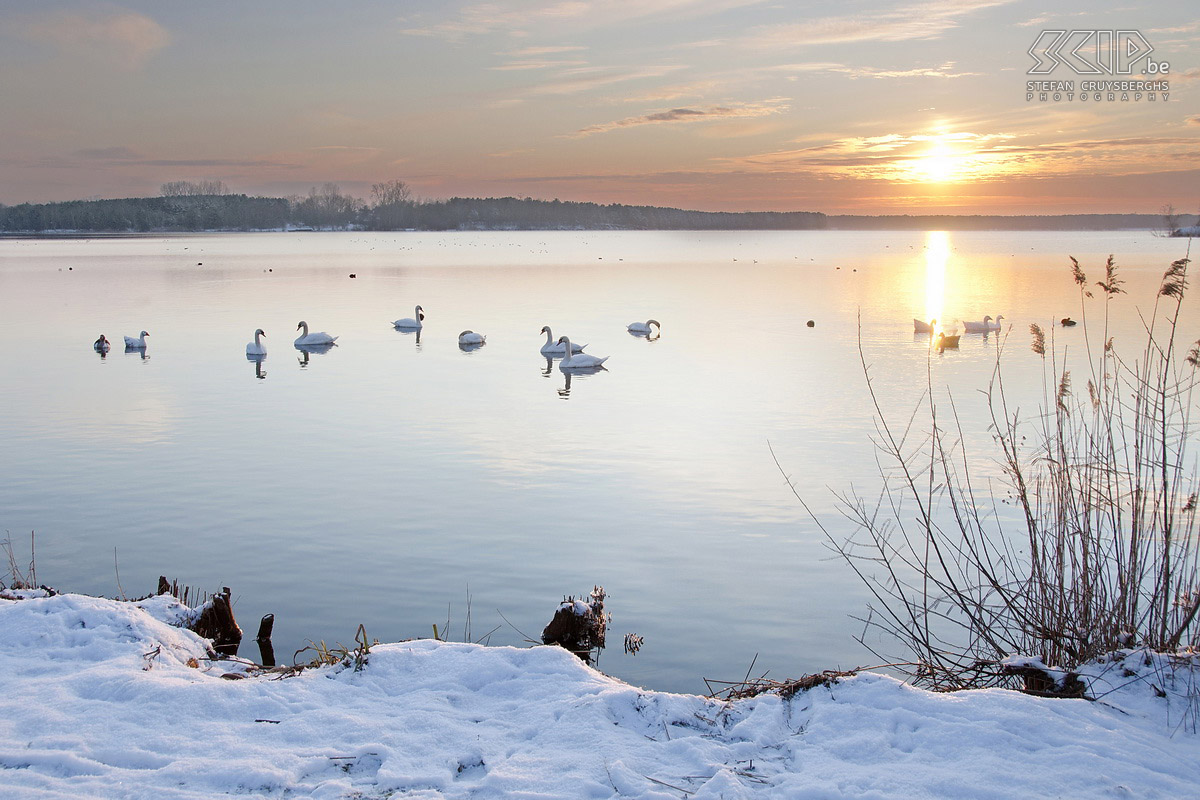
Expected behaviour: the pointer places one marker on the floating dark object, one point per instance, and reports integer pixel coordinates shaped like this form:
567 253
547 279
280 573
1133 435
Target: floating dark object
353 275
1067 322
811 324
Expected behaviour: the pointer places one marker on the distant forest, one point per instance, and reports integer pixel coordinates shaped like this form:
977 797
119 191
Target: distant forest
196 207
208 206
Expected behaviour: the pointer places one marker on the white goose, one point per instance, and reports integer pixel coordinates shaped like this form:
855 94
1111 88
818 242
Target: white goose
257 348
471 337
921 326
644 327
552 348
411 322
139 342
577 360
102 344
988 324
317 337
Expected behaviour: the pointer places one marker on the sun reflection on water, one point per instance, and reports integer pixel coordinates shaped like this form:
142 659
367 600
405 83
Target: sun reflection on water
937 254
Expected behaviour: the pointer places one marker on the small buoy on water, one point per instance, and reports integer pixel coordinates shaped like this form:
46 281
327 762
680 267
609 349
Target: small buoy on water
811 324
353 275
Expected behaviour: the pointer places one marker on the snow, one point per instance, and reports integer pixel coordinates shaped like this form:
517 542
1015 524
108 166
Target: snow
108 699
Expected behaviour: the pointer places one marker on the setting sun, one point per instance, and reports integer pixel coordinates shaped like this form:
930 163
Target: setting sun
940 165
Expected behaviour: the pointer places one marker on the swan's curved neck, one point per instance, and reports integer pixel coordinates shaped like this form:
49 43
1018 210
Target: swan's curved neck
566 348
549 336
258 338
304 325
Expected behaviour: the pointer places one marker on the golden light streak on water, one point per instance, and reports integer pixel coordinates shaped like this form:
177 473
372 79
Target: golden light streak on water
937 255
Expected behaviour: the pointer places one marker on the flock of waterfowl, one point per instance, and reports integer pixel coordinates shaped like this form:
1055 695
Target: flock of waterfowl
571 355
949 336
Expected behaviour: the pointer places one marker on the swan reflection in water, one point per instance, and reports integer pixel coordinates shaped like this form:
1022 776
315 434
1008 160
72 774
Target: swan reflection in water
141 351
415 332
312 349
568 374
259 372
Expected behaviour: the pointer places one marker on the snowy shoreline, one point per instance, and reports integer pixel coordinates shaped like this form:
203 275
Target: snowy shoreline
104 698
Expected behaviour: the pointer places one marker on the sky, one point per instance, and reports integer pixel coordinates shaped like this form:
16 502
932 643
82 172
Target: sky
721 105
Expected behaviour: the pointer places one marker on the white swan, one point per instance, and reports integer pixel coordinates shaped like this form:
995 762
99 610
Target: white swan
257 348
551 347
318 337
920 326
139 342
988 324
471 337
577 360
413 321
644 327
102 344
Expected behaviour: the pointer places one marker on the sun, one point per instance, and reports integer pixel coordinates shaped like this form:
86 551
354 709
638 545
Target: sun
940 164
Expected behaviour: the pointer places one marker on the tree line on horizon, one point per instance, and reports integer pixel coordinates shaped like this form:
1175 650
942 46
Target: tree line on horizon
209 206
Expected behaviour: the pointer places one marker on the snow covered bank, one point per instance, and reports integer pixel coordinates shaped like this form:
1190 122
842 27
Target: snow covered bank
97 699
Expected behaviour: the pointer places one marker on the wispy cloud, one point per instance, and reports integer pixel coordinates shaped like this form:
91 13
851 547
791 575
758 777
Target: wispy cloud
119 153
676 115
928 20
945 70
1193 120
492 18
534 64
124 38
548 50
575 80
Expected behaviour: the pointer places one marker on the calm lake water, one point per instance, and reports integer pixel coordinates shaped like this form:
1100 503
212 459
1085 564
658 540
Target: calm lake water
387 480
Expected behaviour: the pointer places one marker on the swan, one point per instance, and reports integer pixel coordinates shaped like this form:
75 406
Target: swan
552 347
643 327
138 342
256 348
102 344
988 324
306 338
411 322
920 326
471 337
577 360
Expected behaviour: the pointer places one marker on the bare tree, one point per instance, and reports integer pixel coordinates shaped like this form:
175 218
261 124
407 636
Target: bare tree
390 193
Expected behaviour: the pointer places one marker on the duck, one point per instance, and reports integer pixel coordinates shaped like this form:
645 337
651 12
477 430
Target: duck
257 348
920 326
411 322
1067 322
306 338
575 360
988 324
552 347
641 328
944 341
102 344
139 342
471 337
